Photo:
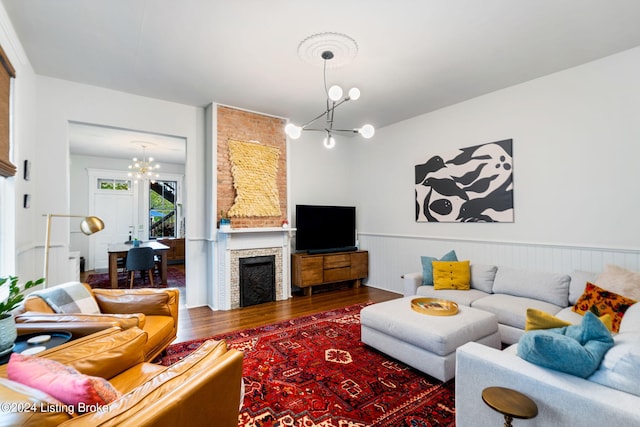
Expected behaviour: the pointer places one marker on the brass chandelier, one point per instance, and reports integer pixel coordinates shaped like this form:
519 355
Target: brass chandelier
145 168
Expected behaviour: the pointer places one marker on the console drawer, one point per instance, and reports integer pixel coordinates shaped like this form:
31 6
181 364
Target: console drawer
337 261
337 274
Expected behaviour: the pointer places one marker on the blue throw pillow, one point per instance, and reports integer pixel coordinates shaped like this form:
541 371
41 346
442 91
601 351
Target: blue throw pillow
427 267
575 349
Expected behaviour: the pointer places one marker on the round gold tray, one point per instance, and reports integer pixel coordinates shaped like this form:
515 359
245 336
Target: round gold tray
434 306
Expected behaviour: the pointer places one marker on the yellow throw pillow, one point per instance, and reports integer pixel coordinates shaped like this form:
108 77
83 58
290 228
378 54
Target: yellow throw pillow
451 275
538 319
608 321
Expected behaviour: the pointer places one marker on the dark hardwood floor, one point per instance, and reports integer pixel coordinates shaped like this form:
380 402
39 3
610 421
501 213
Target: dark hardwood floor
202 322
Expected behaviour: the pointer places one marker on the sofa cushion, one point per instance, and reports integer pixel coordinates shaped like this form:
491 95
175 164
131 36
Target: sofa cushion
71 297
36 304
569 315
459 297
482 277
62 382
621 281
147 301
427 268
74 321
549 287
631 320
511 310
451 275
23 396
161 331
600 302
105 356
576 349
579 279
620 367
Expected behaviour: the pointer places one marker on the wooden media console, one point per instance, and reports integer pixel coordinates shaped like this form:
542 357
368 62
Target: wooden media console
308 270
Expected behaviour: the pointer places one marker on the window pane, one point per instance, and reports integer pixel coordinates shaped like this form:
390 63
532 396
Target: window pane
122 185
114 184
105 184
162 209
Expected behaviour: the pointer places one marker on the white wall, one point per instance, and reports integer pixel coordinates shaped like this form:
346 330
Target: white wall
576 145
319 176
58 103
18 234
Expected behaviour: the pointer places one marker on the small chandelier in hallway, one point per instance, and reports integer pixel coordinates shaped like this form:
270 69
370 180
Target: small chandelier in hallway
145 168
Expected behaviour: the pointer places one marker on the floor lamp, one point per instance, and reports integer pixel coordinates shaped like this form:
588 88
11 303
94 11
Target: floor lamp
89 225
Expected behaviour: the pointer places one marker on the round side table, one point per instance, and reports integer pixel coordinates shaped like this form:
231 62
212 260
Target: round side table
55 338
510 403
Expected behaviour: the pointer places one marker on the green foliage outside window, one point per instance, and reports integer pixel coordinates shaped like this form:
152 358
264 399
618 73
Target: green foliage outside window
111 184
162 209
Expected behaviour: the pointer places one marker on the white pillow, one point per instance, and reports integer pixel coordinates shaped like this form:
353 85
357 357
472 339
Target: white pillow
579 280
621 281
620 368
631 320
482 277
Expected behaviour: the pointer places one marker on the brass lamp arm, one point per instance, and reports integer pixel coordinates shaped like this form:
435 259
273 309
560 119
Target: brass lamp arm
88 226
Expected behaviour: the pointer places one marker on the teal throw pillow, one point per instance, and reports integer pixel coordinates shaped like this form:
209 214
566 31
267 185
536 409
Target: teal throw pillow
427 267
575 349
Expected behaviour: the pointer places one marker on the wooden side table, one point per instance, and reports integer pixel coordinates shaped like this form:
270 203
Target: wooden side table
510 403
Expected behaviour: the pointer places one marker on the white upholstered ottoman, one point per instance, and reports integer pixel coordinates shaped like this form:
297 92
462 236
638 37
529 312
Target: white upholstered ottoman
427 343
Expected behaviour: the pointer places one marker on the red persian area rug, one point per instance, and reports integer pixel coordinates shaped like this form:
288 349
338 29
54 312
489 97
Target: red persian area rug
175 279
315 372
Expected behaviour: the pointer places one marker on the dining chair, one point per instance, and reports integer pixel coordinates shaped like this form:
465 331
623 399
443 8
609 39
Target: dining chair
140 259
122 262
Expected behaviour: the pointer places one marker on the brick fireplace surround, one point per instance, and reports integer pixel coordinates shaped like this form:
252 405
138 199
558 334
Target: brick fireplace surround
251 236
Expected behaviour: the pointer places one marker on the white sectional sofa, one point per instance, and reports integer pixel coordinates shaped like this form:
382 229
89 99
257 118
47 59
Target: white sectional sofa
609 397
508 292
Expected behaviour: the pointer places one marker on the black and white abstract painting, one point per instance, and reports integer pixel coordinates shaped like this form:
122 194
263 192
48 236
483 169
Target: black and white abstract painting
472 184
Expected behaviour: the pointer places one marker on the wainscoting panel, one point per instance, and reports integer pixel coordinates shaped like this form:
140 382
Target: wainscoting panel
391 256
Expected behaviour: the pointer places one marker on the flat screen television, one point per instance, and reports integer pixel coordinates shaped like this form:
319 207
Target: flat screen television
324 229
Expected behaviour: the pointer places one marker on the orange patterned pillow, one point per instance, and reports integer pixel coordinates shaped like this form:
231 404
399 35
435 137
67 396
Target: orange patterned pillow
601 302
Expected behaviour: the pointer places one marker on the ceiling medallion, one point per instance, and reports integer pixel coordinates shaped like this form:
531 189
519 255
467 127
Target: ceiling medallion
343 47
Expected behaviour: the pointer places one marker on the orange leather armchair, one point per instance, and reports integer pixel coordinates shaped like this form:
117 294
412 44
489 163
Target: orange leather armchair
153 310
203 389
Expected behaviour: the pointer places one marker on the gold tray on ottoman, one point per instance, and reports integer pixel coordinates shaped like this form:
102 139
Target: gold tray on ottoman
434 306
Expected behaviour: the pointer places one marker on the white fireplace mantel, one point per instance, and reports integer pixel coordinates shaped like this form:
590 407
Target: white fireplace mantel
233 241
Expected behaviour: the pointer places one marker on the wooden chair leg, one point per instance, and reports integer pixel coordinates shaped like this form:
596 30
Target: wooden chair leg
131 280
151 278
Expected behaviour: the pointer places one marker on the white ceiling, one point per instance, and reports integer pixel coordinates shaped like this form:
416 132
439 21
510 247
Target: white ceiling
93 140
414 56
